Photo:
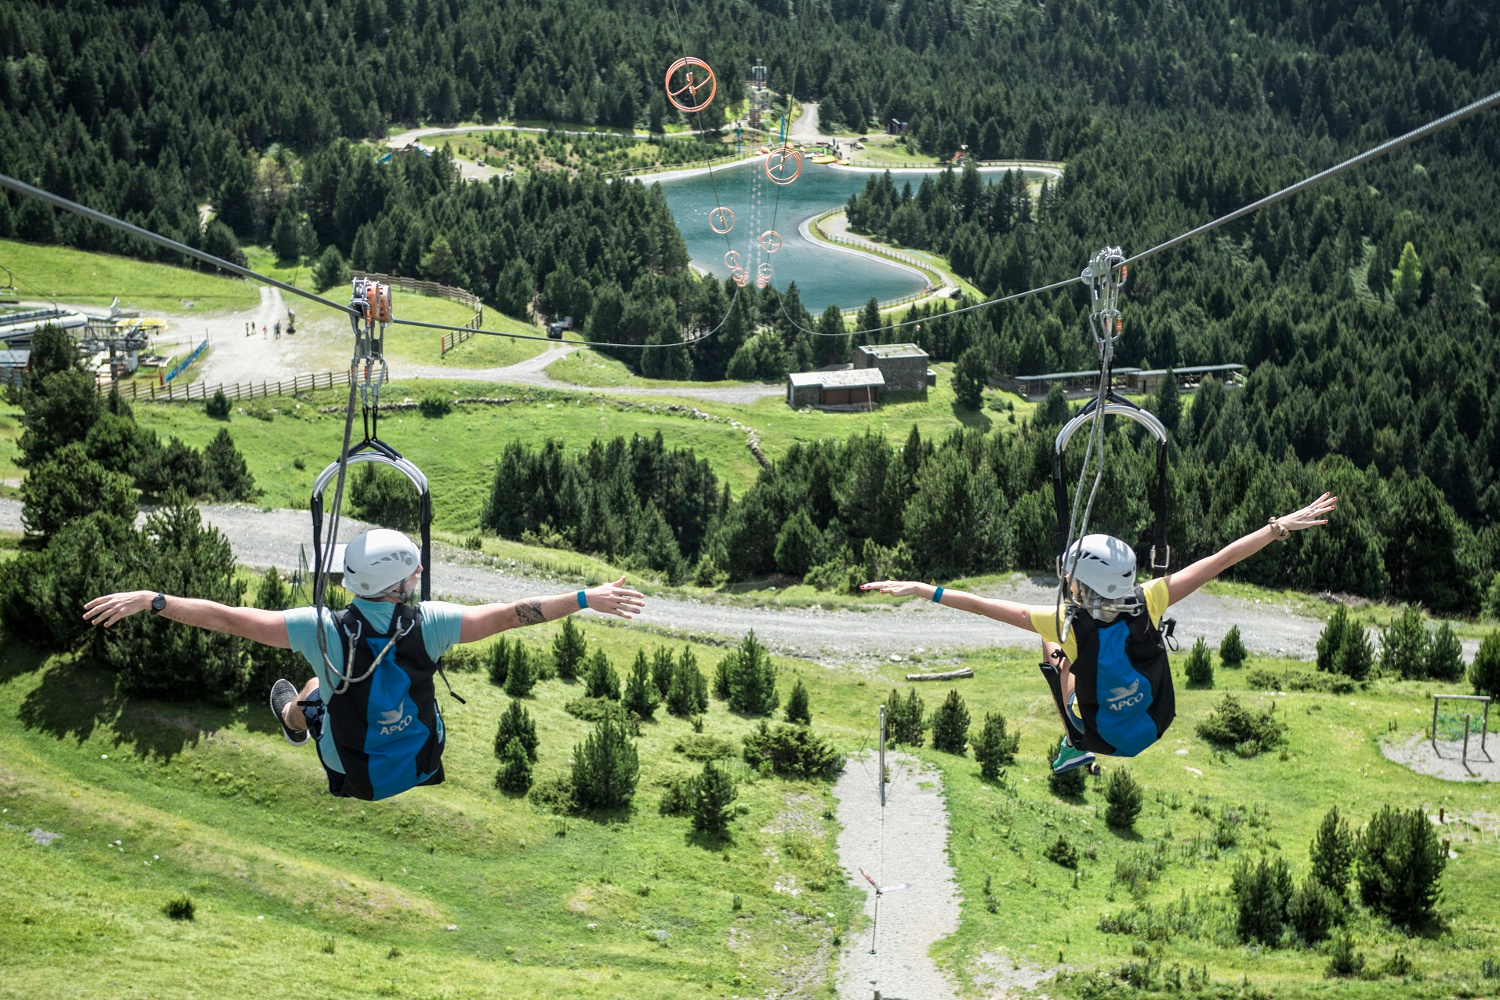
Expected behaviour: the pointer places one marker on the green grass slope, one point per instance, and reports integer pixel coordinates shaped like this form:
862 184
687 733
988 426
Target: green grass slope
94 279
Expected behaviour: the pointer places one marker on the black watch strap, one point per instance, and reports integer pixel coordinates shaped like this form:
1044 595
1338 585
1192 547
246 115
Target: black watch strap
159 603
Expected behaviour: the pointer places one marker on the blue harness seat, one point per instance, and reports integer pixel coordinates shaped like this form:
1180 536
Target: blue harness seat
1123 684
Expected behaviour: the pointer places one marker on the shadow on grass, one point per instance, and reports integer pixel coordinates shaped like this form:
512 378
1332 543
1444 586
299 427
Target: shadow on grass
708 841
75 698
973 419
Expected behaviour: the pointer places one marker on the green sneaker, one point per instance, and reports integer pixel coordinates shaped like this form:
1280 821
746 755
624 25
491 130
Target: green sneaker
1070 757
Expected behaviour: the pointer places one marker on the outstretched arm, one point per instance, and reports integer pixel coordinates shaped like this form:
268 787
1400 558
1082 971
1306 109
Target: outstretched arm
485 620
1185 581
255 624
1008 612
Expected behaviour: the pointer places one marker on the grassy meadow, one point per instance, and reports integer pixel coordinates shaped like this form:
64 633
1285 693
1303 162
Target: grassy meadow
288 883
95 279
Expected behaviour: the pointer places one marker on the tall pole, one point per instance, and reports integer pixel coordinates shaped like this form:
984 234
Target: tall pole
882 756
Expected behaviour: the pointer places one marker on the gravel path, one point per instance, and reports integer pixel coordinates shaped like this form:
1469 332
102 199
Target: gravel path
805 128
876 633
904 843
1446 761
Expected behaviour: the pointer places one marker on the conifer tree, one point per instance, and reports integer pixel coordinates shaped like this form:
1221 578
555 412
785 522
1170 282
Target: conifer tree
752 686
714 792
796 704
601 681
516 724
605 766
569 648
640 694
520 676
950 725
514 775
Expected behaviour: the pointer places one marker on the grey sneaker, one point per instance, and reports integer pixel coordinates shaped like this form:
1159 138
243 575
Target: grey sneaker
1070 757
283 692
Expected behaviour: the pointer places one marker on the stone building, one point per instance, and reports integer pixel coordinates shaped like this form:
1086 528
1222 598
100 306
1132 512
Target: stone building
845 387
903 365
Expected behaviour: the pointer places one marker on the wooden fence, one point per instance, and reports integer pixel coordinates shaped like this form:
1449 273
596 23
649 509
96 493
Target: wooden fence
460 295
934 276
150 392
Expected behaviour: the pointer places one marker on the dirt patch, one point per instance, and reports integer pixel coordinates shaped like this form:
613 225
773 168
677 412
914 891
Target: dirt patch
1445 760
1001 978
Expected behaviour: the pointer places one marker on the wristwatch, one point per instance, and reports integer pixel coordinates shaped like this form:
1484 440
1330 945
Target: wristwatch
159 603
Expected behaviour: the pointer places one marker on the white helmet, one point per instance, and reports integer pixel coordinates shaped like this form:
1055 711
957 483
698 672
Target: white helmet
377 560
1105 565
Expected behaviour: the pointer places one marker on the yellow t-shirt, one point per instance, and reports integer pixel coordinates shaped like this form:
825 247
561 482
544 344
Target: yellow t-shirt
1044 617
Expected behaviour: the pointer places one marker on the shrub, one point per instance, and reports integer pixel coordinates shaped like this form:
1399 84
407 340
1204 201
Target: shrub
1343 647
554 795
434 405
752 679
640 692
1200 665
1068 784
514 775
662 668
994 748
1332 854
226 473
516 724
699 747
1263 679
906 719
181 908
1231 725
1403 645
950 725
687 693
330 270
267 663
1262 890
1484 672
1232 649
500 655
1398 965
463 660
69 485
722 681
601 681
605 766
520 676
592 709
1343 960
569 649
714 792
1400 863
217 405
1314 910
1123 793
1445 660
677 799
1062 853
796 705
792 752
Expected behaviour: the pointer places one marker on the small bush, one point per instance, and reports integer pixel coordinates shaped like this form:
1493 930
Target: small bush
796 704
500 661
906 719
1062 853
516 724
1343 960
1343 646
700 748
994 748
605 767
554 795
1069 784
1123 793
181 908
1231 725
1200 665
1403 645
1286 679
950 725
687 691
514 775
591 709
463 660
1262 891
600 680
663 665
1398 965
1400 863
569 650
1445 659
1314 910
1138 869
792 752
434 405
217 405
1484 672
1232 648
677 799
752 678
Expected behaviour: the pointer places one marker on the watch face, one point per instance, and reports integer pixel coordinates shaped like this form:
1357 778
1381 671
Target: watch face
159 602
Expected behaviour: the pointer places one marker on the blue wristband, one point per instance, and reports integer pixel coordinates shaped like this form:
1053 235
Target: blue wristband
583 598
937 596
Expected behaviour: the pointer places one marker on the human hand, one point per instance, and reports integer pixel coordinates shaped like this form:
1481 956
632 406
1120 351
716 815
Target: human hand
615 599
112 608
899 588
1313 514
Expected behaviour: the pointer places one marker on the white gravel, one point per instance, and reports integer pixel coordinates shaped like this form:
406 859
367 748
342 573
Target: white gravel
904 843
1447 761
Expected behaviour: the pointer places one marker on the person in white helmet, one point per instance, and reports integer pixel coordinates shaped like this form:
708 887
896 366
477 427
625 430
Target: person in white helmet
370 704
1105 658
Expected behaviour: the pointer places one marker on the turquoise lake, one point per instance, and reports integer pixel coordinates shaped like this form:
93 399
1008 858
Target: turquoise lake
824 276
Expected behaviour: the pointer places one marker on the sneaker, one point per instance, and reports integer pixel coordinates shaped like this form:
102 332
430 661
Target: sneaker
1070 757
282 694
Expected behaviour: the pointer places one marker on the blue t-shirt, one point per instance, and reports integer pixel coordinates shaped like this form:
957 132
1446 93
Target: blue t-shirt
441 623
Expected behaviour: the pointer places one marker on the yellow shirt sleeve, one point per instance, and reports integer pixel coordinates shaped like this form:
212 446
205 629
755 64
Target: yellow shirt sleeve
1044 619
1157 599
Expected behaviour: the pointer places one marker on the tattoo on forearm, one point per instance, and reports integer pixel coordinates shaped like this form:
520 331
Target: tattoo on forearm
530 612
